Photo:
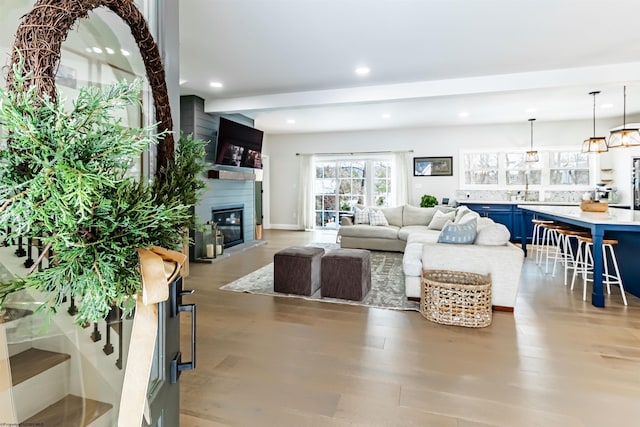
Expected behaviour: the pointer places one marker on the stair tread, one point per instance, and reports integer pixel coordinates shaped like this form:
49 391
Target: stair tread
70 411
32 362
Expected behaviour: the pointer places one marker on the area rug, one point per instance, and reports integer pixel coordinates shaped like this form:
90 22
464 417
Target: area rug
387 283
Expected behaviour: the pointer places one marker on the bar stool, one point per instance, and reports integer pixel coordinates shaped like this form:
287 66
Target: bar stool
564 250
550 241
584 262
536 238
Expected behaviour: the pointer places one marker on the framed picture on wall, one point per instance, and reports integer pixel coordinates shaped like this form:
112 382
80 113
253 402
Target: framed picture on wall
432 166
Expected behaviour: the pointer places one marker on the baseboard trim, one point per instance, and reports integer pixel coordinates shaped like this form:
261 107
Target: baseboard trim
294 227
502 308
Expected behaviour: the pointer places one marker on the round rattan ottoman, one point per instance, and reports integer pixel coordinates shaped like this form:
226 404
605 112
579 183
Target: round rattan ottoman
456 298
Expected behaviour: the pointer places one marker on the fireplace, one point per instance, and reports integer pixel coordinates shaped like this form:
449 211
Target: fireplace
230 223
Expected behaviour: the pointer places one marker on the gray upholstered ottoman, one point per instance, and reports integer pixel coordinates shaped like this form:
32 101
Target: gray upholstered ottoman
296 270
346 274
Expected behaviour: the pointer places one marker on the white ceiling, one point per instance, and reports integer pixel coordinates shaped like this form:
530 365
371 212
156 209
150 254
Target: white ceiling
429 60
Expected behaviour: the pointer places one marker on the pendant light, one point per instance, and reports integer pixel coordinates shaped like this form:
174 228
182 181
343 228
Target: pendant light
626 136
595 144
531 156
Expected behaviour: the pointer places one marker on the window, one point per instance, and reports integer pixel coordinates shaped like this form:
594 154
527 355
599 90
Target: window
481 168
568 168
342 184
556 168
519 172
381 183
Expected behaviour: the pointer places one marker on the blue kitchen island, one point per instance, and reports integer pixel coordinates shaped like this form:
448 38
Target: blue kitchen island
620 224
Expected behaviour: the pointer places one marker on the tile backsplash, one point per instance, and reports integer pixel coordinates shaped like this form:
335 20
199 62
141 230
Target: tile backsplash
501 195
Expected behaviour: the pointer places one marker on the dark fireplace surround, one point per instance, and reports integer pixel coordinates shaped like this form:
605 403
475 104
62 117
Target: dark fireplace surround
230 223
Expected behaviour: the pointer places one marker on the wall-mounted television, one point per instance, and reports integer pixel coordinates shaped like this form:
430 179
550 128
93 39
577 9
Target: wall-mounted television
239 145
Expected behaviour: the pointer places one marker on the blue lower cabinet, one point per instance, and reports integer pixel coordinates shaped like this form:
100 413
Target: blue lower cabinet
520 216
504 217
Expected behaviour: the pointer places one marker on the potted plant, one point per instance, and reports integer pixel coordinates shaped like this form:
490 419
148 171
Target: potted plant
428 201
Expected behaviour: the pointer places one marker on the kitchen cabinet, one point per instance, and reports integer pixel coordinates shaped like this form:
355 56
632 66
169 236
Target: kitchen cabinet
500 213
520 216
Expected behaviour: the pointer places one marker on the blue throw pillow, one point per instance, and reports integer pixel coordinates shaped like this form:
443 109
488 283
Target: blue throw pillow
464 233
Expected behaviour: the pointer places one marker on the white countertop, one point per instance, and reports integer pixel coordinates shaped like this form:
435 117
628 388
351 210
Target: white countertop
516 202
611 216
528 202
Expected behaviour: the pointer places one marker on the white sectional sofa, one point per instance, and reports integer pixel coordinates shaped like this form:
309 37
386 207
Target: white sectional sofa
409 232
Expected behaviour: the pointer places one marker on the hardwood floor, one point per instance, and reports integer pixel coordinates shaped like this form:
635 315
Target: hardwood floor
269 361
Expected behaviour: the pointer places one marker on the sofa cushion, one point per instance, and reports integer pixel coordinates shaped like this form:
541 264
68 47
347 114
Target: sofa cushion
439 220
493 235
377 218
410 230
460 212
361 216
464 234
412 259
393 215
412 215
444 209
427 236
365 230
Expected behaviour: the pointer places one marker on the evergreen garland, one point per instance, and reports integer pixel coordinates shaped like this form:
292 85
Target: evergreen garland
63 180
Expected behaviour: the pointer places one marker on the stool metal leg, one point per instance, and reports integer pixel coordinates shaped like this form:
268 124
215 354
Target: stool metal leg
588 266
570 259
618 276
552 241
579 263
537 235
561 252
606 276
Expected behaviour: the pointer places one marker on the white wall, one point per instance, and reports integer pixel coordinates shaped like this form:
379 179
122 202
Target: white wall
426 142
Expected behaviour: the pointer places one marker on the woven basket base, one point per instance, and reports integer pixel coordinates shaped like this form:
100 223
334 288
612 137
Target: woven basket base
456 298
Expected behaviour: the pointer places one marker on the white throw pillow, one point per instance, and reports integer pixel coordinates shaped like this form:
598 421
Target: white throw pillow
484 221
468 216
460 212
361 216
377 218
493 235
440 219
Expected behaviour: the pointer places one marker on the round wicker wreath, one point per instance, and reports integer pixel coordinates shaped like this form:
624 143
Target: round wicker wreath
46 26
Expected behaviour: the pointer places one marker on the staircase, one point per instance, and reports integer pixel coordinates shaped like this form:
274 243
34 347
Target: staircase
65 376
36 373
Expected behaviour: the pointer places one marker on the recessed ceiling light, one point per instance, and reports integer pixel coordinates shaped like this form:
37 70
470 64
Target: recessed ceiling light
386 116
463 114
606 106
125 52
531 110
291 121
88 49
96 49
215 84
363 71
109 50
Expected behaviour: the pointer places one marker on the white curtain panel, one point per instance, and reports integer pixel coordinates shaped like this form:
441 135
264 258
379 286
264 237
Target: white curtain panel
306 199
400 180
